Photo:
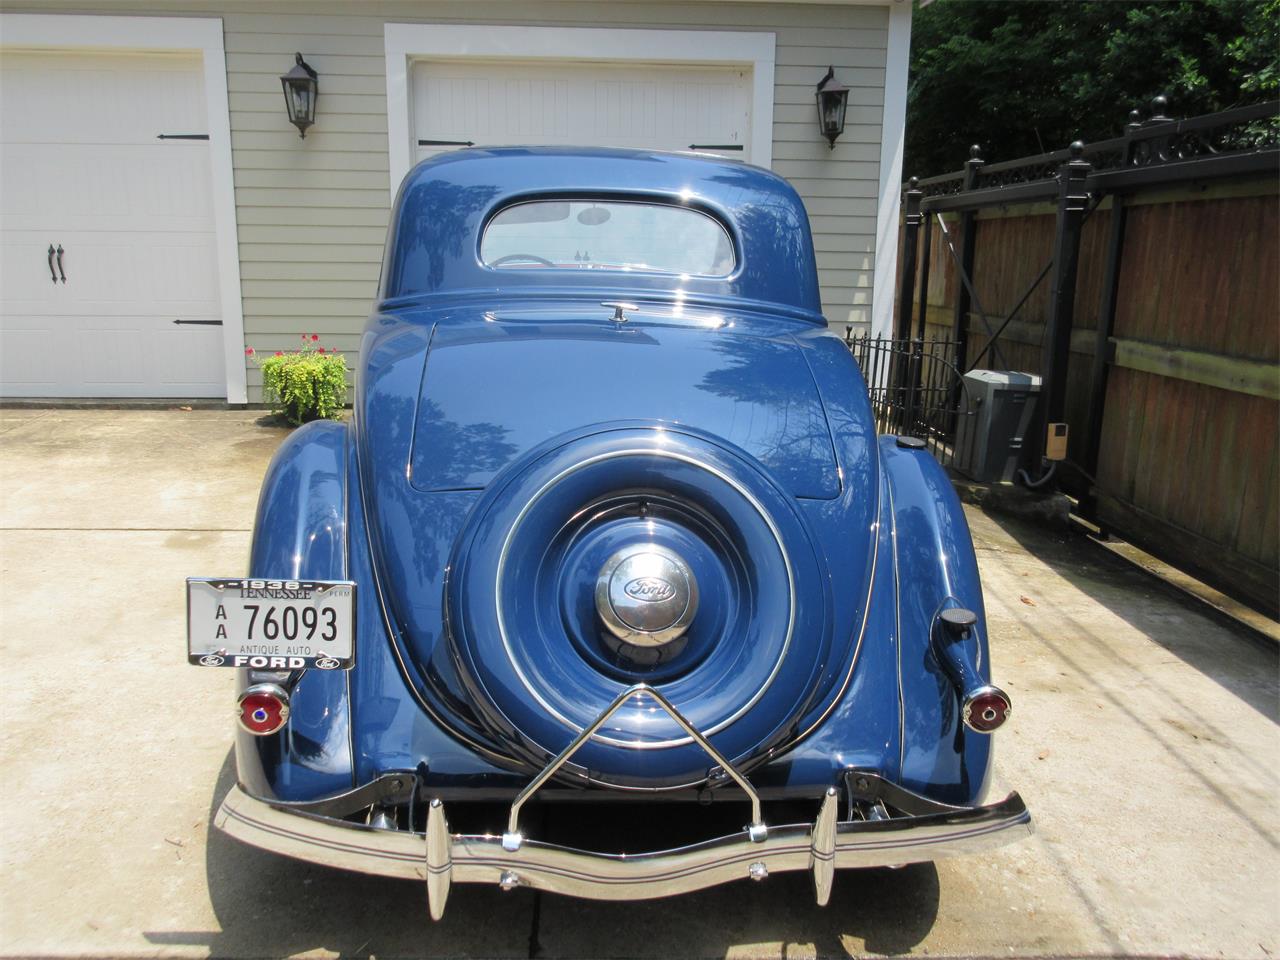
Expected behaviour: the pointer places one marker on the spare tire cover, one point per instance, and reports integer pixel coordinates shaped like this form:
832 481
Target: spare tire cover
528 637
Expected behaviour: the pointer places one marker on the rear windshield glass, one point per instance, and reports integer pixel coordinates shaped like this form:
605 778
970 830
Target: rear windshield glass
607 235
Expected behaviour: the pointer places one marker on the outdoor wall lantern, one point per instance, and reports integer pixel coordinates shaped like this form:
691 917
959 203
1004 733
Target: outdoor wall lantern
833 98
300 92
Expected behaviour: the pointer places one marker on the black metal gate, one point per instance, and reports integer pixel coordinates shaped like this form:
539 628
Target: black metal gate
916 390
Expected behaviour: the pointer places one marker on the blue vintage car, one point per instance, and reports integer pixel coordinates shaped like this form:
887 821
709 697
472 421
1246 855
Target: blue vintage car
609 588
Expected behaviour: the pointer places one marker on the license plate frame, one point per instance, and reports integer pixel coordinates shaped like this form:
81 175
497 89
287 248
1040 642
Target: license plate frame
267 624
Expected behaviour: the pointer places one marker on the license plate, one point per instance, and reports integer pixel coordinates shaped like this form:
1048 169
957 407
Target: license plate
271 624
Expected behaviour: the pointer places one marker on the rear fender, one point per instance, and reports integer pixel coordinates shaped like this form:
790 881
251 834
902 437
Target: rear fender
300 533
936 569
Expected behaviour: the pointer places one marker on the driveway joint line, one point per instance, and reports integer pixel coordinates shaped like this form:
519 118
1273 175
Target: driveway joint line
127 529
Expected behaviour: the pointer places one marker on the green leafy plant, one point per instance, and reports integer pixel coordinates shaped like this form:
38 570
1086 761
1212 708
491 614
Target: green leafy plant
305 384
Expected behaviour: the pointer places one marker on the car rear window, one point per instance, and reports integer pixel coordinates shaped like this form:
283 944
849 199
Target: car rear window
607 235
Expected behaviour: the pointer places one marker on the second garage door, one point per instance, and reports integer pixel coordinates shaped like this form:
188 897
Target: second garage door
536 103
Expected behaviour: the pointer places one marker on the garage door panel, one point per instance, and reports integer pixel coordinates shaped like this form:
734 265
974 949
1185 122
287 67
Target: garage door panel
109 356
112 274
33 359
139 353
185 352
85 187
99 98
166 272
653 106
25 275
113 355
133 214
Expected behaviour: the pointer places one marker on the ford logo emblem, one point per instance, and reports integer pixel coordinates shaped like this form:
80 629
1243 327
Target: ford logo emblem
649 589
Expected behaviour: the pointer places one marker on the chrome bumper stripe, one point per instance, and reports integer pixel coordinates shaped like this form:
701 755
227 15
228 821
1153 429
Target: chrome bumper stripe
482 859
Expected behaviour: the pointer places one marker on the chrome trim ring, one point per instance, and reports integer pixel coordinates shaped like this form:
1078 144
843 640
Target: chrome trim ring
720 475
276 692
991 714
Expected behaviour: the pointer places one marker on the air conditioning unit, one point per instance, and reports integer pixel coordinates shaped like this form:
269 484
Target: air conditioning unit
997 413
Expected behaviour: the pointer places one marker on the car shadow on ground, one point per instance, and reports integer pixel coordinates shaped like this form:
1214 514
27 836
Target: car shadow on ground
1224 651
270 905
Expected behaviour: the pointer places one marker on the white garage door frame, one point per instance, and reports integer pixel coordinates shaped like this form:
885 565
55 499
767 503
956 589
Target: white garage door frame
407 42
201 36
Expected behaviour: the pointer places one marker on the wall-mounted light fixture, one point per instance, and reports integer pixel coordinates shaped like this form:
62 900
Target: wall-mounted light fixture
300 93
833 98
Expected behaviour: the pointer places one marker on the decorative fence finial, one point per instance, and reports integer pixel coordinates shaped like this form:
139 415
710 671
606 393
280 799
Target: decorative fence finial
975 152
1076 149
1158 105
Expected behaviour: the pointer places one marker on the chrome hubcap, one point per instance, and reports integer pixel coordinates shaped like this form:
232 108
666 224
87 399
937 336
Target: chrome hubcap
646 595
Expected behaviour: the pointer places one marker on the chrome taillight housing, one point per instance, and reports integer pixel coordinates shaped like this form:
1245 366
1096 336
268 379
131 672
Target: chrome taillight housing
986 709
263 709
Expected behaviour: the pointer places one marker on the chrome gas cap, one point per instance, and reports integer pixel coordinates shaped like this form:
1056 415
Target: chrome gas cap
646 595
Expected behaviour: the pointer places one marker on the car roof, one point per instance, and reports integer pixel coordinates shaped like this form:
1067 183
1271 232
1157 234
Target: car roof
445 202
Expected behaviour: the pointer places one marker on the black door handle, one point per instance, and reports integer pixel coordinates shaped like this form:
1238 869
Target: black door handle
64 276
52 276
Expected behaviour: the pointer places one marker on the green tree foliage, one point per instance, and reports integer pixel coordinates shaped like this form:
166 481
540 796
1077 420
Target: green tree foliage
1023 77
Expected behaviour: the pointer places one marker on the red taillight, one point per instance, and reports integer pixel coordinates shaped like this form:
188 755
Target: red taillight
263 709
986 709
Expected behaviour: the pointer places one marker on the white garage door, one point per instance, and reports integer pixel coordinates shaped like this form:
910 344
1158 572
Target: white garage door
650 106
82 171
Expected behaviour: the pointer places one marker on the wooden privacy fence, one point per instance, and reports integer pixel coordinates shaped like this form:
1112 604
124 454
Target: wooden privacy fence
1141 278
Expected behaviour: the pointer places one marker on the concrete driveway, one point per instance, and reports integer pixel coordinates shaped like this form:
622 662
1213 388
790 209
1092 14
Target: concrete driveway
1144 739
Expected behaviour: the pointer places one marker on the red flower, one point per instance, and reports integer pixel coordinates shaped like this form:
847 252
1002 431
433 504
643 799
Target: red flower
315 336
320 349
248 351
279 353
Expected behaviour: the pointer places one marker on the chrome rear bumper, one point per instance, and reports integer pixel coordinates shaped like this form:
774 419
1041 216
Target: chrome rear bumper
482 859
917 829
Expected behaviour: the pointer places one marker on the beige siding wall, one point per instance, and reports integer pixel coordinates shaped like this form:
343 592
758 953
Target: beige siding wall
312 214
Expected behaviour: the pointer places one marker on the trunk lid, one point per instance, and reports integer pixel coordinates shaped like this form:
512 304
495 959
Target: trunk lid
494 389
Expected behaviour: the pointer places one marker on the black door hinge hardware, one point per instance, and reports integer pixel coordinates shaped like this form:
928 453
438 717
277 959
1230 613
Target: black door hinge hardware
201 323
715 146
446 143
60 270
52 274
182 136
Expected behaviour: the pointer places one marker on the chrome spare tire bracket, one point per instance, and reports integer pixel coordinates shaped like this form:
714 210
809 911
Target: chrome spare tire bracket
756 830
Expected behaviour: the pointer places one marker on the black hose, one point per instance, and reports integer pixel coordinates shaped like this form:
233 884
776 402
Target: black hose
1033 484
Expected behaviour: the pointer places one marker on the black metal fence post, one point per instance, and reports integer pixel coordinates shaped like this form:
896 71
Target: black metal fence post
900 373
960 321
1073 199
926 252
910 243
1100 366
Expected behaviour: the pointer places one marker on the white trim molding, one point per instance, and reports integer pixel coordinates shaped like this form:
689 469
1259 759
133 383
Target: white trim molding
891 137
406 42
56 31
